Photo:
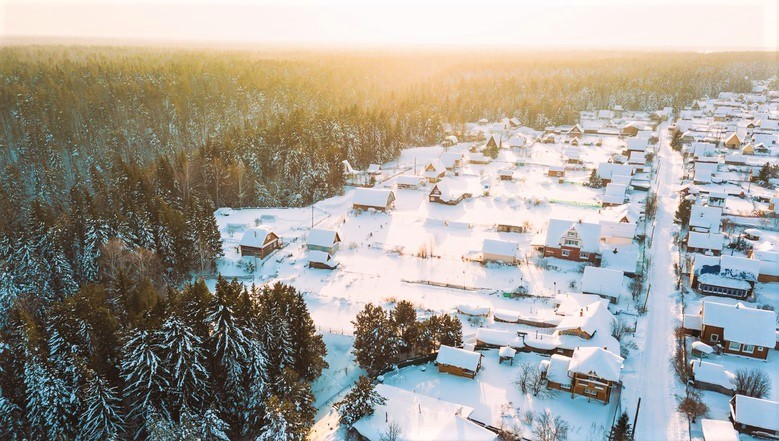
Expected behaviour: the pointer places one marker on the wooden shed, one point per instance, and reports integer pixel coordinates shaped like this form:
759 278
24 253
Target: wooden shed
458 361
258 242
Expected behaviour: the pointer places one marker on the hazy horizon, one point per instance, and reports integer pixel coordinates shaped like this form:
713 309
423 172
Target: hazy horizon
688 25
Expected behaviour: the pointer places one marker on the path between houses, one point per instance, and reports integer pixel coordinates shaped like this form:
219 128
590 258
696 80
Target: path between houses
656 384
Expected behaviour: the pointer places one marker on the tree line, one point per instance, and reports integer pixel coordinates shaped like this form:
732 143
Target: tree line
124 361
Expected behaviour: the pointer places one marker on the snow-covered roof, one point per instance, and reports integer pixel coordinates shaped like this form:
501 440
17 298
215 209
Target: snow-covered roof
704 216
769 261
322 238
629 212
499 247
739 267
448 159
557 369
372 197
255 237
756 412
702 347
507 351
712 373
320 257
473 310
421 418
608 169
704 171
638 144
741 324
637 157
409 180
703 149
596 362
590 318
506 315
497 337
624 259
603 281
458 357
572 303
716 430
374 168
434 169
588 233
706 241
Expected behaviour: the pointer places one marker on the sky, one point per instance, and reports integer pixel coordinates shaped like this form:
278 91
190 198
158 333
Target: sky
579 24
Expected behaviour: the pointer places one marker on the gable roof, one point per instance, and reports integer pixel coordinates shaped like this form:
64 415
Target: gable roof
596 362
606 170
422 418
255 237
557 369
458 357
373 197
499 247
638 144
322 238
741 324
702 216
588 233
706 241
756 412
603 281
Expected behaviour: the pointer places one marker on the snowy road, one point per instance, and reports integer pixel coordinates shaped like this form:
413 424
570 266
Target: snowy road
656 382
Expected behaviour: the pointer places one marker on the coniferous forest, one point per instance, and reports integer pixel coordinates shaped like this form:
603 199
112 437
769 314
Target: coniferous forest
113 160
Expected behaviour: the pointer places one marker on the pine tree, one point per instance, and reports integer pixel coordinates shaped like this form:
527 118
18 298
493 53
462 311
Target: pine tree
403 319
595 180
276 427
359 402
683 212
676 141
101 419
621 430
375 345
212 427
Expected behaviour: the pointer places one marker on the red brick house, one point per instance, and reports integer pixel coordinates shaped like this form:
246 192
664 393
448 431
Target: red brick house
570 240
739 330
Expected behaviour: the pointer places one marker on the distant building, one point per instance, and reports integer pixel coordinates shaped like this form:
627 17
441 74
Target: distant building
377 199
323 240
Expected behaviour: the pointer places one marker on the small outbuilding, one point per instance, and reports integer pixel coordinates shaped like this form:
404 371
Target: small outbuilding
378 199
502 251
458 361
323 240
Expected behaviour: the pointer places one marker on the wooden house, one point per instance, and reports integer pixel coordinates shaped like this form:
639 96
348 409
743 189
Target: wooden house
434 171
629 129
258 242
739 330
323 240
732 141
575 132
410 182
375 198
755 416
705 243
603 282
494 143
589 372
458 361
556 171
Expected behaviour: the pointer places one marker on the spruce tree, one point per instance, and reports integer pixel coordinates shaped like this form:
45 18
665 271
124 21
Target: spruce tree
101 418
184 361
145 378
403 319
375 345
361 401
621 430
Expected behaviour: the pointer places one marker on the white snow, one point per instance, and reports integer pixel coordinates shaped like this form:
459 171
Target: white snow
457 357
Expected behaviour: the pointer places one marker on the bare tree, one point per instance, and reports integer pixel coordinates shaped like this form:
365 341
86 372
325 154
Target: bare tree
621 327
752 383
530 379
547 428
393 433
692 405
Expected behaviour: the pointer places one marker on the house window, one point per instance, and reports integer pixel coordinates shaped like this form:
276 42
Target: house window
748 349
566 253
572 243
759 349
733 346
571 234
584 255
714 337
590 392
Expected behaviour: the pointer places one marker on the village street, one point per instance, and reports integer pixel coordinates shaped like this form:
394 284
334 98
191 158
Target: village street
658 418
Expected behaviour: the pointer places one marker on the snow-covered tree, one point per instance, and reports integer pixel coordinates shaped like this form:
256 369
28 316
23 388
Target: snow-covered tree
375 344
47 402
359 402
101 418
183 361
144 375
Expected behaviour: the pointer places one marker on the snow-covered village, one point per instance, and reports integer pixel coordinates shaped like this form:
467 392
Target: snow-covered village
270 221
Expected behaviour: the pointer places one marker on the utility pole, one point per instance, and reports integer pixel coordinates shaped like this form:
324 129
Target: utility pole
635 420
312 215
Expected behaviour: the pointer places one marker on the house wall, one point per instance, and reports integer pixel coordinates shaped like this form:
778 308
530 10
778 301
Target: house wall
260 253
330 250
703 251
454 370
767 278
490 257
720 291
591 387
759 353
573 254
366 207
